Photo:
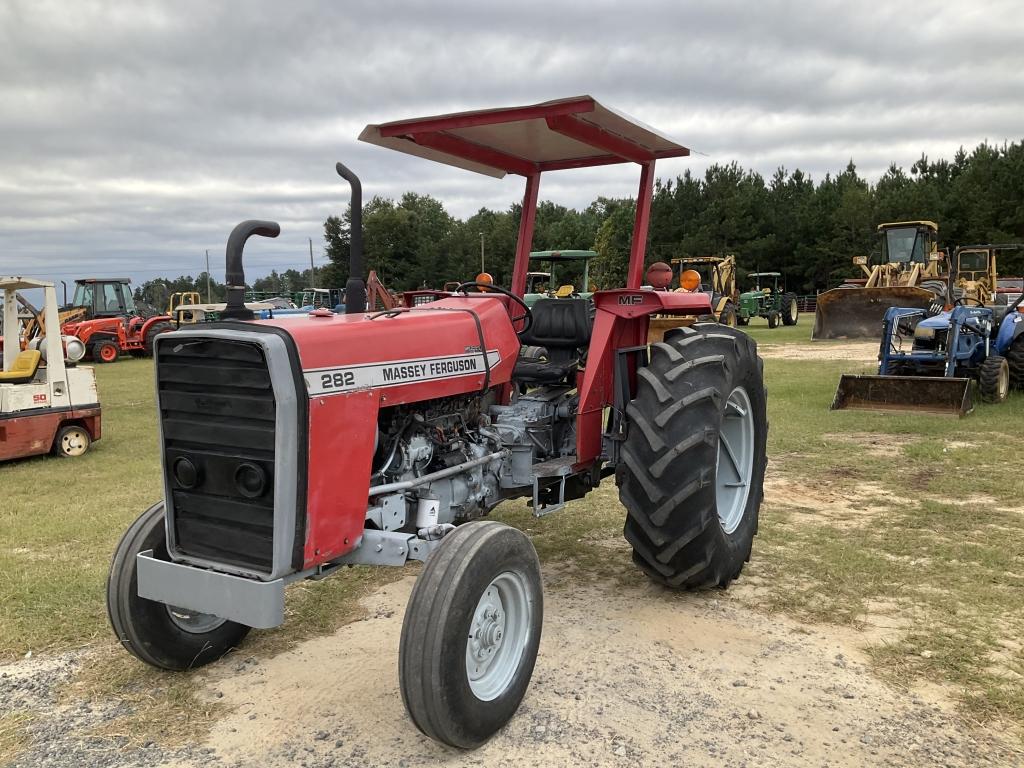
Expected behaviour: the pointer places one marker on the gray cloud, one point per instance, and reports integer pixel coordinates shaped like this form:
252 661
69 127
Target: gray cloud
136 134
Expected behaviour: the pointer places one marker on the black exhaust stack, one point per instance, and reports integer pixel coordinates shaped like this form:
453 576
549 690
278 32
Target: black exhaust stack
234 275
355 288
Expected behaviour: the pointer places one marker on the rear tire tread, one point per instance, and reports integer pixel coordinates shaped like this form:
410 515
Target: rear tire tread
667 484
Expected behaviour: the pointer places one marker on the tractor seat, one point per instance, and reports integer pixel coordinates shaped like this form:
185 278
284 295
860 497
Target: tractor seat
24 369
562 328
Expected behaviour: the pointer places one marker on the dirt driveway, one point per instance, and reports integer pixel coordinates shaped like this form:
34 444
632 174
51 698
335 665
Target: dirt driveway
637 678
627 676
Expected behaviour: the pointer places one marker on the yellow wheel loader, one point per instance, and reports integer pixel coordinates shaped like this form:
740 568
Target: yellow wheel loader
928 358
912 273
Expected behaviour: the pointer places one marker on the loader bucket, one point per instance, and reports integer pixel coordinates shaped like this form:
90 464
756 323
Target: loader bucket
913 394
857 313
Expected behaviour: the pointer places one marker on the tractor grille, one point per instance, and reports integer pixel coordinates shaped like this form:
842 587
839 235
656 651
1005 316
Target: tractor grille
217 413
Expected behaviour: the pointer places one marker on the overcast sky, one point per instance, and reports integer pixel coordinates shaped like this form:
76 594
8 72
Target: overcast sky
136 134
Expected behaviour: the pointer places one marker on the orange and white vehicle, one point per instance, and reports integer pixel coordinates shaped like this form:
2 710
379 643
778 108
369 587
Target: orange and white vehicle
47 402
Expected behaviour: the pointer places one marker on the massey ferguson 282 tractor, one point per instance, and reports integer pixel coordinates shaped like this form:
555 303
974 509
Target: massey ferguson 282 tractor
293 447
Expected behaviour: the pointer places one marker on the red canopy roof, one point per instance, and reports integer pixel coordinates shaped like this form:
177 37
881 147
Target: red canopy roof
567 133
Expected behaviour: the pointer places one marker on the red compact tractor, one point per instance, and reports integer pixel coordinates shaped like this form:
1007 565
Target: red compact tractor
294 447
112 324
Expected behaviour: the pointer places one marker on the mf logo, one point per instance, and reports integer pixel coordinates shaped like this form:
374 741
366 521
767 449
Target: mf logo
629 300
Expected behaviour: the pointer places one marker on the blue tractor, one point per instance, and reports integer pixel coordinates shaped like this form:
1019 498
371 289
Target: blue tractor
928 358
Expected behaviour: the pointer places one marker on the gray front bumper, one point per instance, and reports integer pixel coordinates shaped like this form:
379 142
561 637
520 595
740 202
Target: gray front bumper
258 604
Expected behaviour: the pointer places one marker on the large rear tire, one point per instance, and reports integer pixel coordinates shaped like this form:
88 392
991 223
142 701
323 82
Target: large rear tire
790 309
994 379
151 333
1015 359
158 634
693 461
471 633
728 315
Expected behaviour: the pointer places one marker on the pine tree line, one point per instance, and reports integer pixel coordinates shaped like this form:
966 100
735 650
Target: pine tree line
808 231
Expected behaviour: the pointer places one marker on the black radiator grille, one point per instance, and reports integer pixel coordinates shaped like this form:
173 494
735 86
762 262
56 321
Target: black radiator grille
217 413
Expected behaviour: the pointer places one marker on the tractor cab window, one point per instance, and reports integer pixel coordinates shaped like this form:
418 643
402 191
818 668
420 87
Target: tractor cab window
973 261
903 245
109 299
83 296
129 300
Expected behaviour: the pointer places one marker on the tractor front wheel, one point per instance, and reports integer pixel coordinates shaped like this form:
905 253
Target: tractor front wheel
105 352
691 474
471 633
161 635
994 379
790 309
773 319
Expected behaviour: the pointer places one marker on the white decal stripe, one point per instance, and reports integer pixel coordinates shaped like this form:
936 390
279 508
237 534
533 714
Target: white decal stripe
394 373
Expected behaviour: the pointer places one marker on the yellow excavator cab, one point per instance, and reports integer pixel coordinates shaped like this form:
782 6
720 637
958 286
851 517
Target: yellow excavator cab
911 273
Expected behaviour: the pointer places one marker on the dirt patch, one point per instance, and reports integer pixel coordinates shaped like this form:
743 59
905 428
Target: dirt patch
635 677
959 444
855 351
826 503
875 444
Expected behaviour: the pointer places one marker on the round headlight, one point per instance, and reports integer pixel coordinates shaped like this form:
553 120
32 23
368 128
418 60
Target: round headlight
250 480
185 472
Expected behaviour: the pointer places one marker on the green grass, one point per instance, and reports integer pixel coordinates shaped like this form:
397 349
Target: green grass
953 573
61 519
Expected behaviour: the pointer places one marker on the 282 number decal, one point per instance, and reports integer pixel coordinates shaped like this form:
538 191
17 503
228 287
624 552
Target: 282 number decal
335 380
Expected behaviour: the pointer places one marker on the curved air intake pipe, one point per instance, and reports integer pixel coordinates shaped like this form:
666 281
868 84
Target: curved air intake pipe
355 287
234 275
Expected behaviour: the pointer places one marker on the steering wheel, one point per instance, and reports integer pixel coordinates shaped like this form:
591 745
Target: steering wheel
526 318
962 302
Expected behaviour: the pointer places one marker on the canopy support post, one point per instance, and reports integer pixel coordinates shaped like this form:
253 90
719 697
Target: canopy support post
640 225
524 243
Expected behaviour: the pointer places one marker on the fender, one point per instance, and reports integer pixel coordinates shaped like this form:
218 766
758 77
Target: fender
149 323
1011 327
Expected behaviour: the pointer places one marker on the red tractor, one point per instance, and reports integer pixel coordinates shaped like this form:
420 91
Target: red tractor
295 447
113 324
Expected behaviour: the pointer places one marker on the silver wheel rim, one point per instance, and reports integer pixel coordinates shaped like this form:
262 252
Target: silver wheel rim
193 622
1004 381
735 459
498 636
74 442
793 309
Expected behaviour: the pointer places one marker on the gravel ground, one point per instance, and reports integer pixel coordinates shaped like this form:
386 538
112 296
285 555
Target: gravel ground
634 677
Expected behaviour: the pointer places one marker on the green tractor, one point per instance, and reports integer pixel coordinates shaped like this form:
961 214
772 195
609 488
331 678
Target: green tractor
769 299
568 274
